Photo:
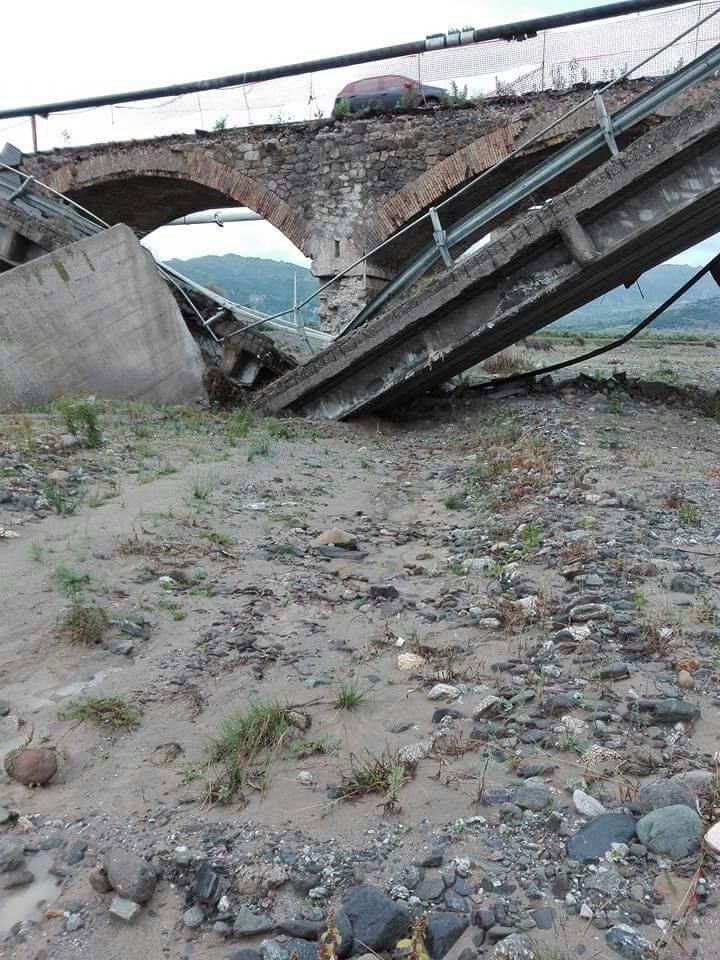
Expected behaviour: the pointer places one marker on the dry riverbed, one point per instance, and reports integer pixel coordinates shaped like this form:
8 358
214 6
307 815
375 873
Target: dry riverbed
463 666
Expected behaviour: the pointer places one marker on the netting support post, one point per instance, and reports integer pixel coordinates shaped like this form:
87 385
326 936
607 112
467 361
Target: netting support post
440 238
605 124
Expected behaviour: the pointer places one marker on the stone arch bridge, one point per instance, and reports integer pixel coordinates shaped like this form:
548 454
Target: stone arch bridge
335 188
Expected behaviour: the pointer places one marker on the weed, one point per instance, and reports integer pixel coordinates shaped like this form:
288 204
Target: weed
238 424
215 536
456 566
165 469
341 108
258 447
639 598
35 551
62 503
299 748
82 418
384 774
202 485
705 610
172 607
614 402
505 363
454 501
113 712
281 429
69 580
244 738
348 695
530 534
84 625
689 514
284 550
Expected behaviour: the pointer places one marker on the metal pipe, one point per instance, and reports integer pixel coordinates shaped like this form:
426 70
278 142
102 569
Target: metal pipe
229 215
519 30
543 173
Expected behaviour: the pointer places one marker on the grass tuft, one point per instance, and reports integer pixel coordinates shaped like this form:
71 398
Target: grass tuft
348 695
113 712
81 418
84 625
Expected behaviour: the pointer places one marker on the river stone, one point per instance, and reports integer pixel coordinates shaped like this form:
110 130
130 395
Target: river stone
33 766
530 798
665 793
443 930
586 805
123 909
628 943
305 949
515 947
193 917
129 875
672 832
247 923
594 839
377 922
12 851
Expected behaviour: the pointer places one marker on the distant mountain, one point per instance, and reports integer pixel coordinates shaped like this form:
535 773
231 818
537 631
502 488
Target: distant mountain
264 285
698 311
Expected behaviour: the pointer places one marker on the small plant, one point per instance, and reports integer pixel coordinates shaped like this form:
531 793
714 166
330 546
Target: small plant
454 501
62 503
84 625
348 695
202 485
221 123
35 551
215 536
81 418
172 607
258 447
530 534
614 402
457 96
70 581
455 565
341 108
165 469
384 774
238 424
281 429
113 712
245 737
689 514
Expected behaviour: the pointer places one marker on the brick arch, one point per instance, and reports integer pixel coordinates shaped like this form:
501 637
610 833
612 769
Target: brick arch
88 174
435 183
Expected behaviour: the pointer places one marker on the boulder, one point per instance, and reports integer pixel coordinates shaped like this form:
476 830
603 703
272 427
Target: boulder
12 851
594 839
33 766
129 875
672 832
665 793
377 921
443 930
628 943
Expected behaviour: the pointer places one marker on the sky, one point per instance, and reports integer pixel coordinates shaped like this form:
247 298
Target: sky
82 48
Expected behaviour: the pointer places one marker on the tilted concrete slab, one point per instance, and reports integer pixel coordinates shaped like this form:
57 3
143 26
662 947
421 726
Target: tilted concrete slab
94 316
657 198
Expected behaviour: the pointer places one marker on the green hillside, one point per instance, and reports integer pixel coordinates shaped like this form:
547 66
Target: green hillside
264 285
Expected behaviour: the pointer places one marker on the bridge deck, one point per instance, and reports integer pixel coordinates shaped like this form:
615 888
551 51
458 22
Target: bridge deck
657 198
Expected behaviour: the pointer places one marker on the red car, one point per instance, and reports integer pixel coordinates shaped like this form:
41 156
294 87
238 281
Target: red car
385 93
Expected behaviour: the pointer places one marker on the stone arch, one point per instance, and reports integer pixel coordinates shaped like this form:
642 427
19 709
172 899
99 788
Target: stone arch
90 176
435 183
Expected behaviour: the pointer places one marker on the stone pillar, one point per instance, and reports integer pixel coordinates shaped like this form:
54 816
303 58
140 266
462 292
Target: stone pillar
344 298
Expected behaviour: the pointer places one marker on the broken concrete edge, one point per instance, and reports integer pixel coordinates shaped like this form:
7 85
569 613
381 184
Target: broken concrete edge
94 317
330 366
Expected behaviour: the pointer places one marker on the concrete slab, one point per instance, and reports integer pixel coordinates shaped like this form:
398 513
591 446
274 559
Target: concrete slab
94 316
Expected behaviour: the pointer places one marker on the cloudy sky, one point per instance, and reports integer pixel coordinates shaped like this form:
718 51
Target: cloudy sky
82 48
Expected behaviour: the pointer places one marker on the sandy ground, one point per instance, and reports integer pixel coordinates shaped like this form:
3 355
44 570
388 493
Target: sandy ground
255 614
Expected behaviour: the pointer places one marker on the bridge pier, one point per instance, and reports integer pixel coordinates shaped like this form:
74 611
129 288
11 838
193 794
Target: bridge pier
348 295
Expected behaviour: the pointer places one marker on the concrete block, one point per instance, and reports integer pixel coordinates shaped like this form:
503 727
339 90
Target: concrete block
94 316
